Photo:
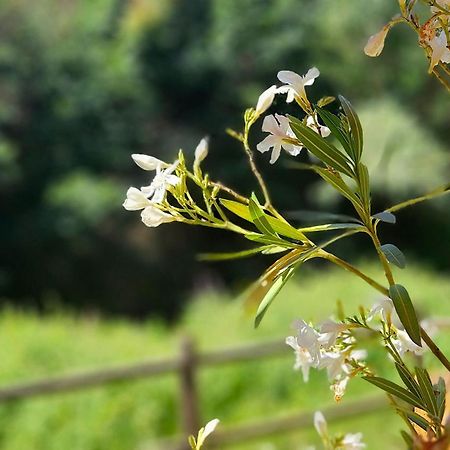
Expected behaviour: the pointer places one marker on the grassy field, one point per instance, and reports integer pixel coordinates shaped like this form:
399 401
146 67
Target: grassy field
131 415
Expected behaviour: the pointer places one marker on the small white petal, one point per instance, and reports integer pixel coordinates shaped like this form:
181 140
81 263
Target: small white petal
267 143
147 162
135 200
320 424
153 217
201 151
265 100
310 76
270 125
275 153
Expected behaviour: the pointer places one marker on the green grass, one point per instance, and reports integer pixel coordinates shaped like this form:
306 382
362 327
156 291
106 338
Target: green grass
130 415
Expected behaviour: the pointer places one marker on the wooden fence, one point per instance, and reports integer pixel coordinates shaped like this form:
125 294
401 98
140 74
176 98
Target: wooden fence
186 365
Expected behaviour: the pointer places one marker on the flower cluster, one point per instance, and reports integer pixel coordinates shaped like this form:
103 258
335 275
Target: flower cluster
331 348
280 134
348 441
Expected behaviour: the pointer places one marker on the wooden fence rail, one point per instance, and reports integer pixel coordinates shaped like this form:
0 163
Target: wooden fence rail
186 365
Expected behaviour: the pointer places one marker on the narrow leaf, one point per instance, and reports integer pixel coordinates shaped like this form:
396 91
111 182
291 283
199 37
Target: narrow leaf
259 218
395 389
418 420
441 391
320 147
269 240
408 439
277 225
232 255
386 217
408 379
426 390
364 184
334 124
405 310
272 292
355 126
394 255
330 227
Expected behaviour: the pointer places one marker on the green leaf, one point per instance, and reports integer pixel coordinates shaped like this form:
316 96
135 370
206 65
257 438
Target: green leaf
418 420
426 390
405 310
240 209
408 439
364 184
334 124
408 379
395 389
441 391
277 225
269 240
330 227
271 293
259 218
355 127
339 184
386 217
232 255
394 255
320 147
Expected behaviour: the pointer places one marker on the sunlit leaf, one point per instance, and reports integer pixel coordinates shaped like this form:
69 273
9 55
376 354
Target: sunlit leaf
408 379
394 389
277 225
405 310
259 218
394 255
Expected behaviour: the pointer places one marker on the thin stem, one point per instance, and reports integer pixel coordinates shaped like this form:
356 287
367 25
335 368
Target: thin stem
435 349
256 172
381 255
228 190
347 266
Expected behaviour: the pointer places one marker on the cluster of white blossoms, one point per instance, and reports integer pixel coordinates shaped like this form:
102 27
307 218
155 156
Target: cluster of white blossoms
331 345
349 441
281 135
151 199
331 348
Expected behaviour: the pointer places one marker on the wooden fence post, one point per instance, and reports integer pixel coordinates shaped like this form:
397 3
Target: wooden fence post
189 398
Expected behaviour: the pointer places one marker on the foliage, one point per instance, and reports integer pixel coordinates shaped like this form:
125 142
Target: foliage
132 414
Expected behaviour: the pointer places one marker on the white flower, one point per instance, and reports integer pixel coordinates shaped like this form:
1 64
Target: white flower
205 432
334 362
295 83
265 100
135 200
439 48
385 307
147 162
329 331
303 359
156 191
313 123
308 337
320 425
153 217
280 131
404 344
201 152
375 44
339 387
352 442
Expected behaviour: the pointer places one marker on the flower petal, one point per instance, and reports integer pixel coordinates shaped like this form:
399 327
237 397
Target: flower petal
148 162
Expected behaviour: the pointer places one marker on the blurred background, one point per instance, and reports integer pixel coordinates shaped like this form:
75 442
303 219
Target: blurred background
83 283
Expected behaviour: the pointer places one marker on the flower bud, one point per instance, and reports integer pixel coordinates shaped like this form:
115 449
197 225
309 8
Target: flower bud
375 44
